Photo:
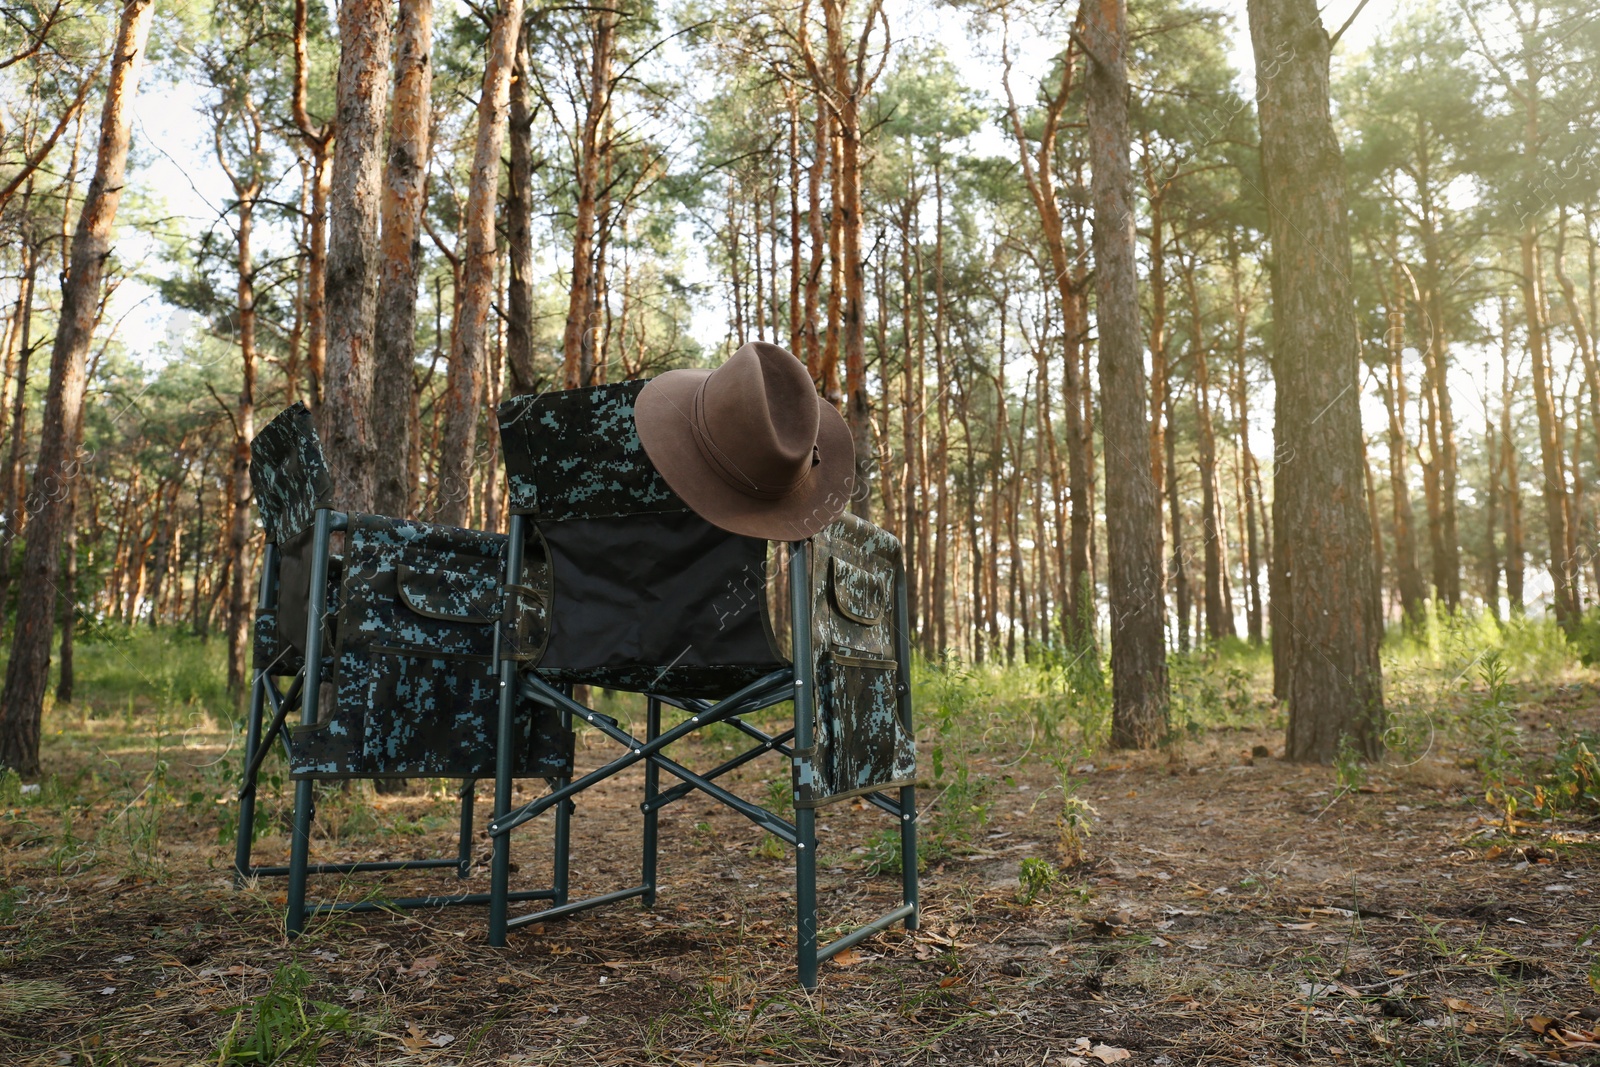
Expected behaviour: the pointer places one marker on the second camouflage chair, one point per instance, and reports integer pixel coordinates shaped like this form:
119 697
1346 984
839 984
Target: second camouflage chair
388 651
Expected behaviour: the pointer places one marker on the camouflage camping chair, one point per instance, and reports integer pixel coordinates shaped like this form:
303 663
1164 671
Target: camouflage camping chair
402 627
638 593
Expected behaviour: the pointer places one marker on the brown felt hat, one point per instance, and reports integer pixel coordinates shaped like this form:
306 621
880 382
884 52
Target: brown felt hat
750 446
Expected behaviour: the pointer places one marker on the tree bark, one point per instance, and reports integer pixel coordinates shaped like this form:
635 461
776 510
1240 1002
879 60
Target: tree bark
404 195
12 507
1408 576
22 701
1133 514
355 201
240 605
1219 613
1508 469
469 337
1334 680
519 232
318 138
1241 386
588 175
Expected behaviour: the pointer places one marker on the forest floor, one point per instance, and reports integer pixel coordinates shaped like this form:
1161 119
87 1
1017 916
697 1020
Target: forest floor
1231 908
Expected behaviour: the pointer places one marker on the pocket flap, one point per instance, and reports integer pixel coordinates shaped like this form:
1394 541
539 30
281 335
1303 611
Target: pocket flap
858 594
450 595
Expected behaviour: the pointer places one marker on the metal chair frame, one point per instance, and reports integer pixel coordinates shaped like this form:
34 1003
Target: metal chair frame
303 693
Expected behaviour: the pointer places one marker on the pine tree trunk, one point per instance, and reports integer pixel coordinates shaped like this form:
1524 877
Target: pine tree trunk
395 325
463 397
1324 537
848 93
67 605
1133 511
1408 576
1241 385
1508 466
318 140
240 604
12 507
1219 615
519 233
1183 601
1554 482
821 148
354 210
22 701
588 181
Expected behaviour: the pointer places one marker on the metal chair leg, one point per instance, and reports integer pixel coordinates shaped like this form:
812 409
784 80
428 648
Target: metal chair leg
805 817
908 794
468 794
299 854
505 735
304 790
563 846
908 852
805 897
652 775
244 837
561 862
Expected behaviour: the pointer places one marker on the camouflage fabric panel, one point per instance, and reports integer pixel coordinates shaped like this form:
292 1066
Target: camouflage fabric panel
574 454
417 693
709 683
288 473
292 597
861 744
458 742
270 652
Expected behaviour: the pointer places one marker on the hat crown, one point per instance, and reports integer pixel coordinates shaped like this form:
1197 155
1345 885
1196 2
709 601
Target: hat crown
755 420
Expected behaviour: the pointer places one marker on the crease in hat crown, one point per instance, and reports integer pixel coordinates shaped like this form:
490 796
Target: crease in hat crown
789 430
749 446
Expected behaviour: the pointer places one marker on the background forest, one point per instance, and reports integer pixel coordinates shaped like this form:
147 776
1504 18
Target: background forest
673 182
1227 371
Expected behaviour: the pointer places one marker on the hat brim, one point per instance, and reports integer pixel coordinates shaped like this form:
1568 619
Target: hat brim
661 415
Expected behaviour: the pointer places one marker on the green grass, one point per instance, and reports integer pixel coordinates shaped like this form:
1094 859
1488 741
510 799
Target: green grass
130 670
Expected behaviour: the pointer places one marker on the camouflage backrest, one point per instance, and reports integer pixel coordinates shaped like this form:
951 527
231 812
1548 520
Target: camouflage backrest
574 454
288 473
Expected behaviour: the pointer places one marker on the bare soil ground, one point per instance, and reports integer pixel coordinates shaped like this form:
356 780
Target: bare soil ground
1233 909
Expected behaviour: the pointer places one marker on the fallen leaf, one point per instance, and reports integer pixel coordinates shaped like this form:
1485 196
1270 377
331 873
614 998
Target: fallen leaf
415 1040
1457 1004
421 966
1083 1047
